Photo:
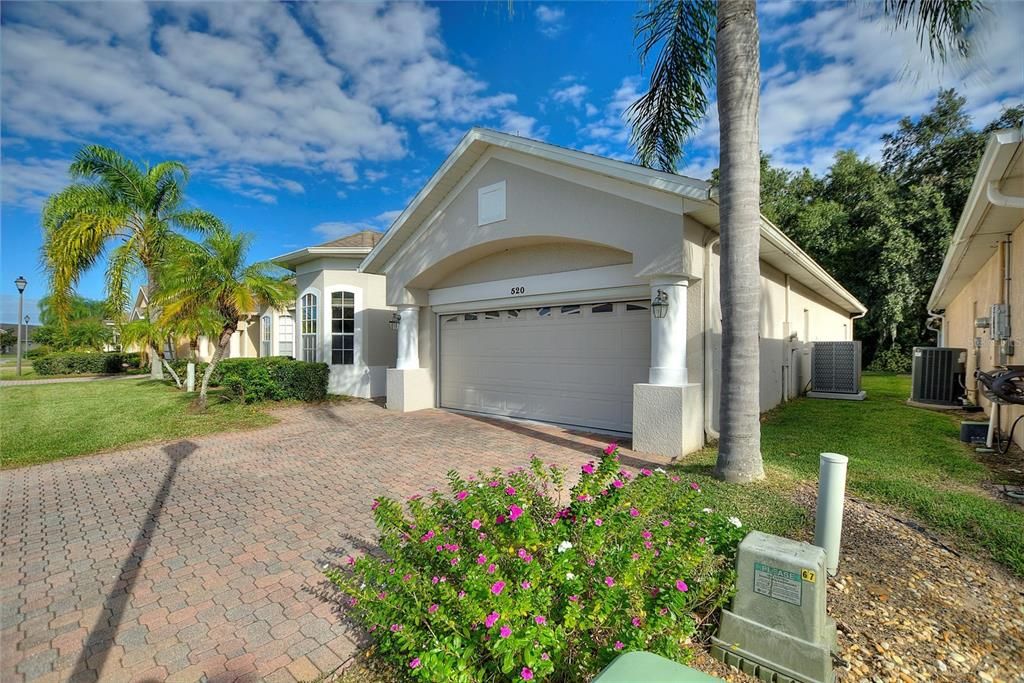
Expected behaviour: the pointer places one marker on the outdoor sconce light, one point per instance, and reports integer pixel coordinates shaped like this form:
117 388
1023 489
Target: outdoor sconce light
659 306
394 321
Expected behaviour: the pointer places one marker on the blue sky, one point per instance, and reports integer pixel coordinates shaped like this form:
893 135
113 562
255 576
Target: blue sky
305 122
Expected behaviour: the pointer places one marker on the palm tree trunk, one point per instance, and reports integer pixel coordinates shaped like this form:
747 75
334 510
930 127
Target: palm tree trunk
218 353
739 448
156 355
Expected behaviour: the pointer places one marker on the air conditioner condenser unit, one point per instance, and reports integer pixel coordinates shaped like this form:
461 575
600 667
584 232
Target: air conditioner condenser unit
835 371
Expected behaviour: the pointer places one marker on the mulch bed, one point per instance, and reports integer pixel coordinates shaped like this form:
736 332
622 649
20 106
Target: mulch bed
911 606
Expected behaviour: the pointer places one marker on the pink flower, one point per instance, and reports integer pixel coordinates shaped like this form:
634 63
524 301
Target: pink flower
663 611
406 577
482 535
491 618
648 545
382 595
476 524
665 522
609 581
500 519
491 568
509 491
646 534
432 608
633 512
427 536
461 495
583 497
395 628
522 553
462 594
455 561
494 484
611 448
681 586
505 632
674 478
375 505
619 645
525 585
588 468
636 622
646 472
415 662
574 598
635 556
439 546
350 560
540 620
598 521
528 559
497 587
617 483
526 673
545 656
515 512
702 540
695 486
481 559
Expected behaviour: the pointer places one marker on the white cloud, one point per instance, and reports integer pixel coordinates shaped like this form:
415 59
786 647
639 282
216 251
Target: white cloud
334 229
612 126
319 88
248 181
28 182
572 93
550 20
524 126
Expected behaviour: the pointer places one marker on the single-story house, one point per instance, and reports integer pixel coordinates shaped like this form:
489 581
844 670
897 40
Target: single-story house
984 266
543 283
342 318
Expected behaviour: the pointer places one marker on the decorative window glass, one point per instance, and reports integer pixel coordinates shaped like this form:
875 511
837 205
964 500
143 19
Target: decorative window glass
492 315
343 328
451 319
471 316
309 328
602 308
544 311
285 335
514 313
570 310
265 332
636 307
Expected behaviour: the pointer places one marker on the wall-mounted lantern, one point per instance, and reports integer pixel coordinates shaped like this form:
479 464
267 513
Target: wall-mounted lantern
659 306
394 321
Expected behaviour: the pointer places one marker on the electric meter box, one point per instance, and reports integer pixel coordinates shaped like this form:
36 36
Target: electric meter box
777 628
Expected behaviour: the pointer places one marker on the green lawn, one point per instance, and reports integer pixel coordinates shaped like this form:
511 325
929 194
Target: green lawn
908 458
53 421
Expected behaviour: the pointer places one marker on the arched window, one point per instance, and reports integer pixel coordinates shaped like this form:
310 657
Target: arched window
265 337
285 330
310 343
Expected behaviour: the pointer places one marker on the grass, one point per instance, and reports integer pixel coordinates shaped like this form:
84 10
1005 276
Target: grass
904 457
53 421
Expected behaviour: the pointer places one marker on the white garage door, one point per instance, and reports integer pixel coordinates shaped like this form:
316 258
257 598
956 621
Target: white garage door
574 365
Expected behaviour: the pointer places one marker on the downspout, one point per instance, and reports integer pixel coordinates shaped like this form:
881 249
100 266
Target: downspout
709 385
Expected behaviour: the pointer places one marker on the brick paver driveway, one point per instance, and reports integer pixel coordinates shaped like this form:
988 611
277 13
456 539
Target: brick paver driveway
198 558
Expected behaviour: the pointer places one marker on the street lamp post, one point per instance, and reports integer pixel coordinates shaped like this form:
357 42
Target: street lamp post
20 283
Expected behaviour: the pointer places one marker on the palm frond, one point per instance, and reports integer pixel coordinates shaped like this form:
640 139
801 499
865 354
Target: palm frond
940 25
122 269
113 169
196 220
682 34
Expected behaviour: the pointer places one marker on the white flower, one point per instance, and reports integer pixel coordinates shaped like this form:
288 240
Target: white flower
563 546
658 469
362 586
708 511
569 576
735 521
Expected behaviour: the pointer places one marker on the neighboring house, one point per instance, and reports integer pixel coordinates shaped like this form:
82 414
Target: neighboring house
340 316
525 273
984 266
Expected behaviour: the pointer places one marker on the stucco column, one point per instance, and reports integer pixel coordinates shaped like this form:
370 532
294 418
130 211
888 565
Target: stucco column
408 337
668 335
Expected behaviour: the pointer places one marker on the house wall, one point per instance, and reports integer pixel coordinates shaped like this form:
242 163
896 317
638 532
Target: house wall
973 301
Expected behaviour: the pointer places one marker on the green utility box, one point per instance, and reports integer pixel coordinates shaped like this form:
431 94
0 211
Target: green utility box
777 629
634 667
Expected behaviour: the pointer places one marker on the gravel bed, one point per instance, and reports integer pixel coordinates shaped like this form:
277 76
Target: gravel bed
911 607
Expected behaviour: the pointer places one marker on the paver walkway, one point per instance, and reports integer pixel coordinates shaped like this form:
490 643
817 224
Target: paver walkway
197 558
64 380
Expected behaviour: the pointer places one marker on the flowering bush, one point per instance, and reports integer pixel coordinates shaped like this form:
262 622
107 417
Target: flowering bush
503 580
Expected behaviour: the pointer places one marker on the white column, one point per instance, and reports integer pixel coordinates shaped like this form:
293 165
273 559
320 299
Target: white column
668 335
408 337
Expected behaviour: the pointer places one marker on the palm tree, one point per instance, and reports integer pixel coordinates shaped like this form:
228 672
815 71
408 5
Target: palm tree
149 334
116 205
700 44
214 275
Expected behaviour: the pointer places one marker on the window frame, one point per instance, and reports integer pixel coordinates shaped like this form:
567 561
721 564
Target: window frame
291 335
309 328
348 300
267 335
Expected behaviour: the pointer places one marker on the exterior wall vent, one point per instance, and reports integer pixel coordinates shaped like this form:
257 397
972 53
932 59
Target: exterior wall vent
835 370
938 375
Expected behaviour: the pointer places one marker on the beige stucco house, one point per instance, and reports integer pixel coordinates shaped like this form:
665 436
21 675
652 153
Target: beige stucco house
340 316
984 266
526 277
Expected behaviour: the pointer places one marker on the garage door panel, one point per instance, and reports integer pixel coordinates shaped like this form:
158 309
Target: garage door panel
573 368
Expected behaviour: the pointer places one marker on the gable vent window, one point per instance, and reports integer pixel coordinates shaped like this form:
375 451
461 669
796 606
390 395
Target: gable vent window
491 203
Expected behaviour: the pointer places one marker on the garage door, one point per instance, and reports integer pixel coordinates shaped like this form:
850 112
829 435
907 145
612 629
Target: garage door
574 365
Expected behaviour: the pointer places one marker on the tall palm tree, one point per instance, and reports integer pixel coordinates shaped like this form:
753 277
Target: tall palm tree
700 44
148 333
116 205
214 274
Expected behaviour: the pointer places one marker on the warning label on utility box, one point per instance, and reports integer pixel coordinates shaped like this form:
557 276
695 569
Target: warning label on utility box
776 583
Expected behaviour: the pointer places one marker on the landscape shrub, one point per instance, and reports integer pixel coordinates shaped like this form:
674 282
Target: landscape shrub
891 360
180 366
502 579
272 379
82 363
38 352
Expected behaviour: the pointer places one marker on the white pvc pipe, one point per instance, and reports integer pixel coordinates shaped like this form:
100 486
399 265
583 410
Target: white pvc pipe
190 377
828 525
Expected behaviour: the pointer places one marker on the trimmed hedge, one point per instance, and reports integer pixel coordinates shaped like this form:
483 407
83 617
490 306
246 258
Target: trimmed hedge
84 363
272 379
180 366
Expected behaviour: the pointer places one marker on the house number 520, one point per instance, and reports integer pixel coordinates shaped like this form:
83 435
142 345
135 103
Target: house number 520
519 290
